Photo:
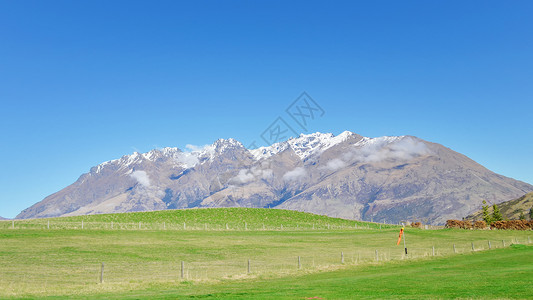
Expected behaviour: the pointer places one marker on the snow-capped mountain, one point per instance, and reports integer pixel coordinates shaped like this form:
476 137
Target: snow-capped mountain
350 176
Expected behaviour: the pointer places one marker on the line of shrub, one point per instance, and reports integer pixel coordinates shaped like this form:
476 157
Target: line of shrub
510 225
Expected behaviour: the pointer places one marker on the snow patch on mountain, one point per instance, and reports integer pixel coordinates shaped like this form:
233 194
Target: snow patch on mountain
304 146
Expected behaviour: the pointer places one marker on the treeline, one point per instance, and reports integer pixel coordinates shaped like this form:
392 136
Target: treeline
508 225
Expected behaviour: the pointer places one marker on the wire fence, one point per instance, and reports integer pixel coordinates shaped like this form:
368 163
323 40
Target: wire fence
62 225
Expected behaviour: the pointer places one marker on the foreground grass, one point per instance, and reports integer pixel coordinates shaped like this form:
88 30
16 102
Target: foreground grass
497 274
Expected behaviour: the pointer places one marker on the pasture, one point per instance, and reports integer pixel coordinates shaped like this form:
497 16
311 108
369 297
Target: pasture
258 252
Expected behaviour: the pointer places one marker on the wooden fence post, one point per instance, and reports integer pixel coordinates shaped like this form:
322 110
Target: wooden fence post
377 257
249 270
503 243
342 257
182 269
489 246
245 226
139 224
102 274
454 251
48 224
473 246
81 224
299 263
433 250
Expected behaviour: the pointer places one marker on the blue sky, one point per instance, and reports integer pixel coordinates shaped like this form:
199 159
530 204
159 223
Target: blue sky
82 82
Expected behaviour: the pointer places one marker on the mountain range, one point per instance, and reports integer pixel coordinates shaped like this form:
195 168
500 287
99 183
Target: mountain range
391 178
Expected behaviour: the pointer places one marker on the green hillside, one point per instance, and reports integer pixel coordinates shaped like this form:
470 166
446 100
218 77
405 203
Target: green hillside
199 219
510 209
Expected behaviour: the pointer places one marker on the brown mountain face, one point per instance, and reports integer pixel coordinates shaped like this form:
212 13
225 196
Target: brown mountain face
510 209
382 179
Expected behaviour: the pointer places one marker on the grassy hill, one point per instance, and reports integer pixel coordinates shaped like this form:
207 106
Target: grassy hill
145 261
199 219
510 209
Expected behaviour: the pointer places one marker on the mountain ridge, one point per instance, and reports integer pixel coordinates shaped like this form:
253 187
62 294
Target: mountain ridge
348 175
509 209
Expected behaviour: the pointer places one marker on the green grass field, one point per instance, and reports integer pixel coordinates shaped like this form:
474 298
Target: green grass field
65 260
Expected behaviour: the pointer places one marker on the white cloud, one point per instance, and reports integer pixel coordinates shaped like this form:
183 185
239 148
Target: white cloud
382 149
188 159
244 176
141 178
295 174
252 174
335 164
194 148
267 174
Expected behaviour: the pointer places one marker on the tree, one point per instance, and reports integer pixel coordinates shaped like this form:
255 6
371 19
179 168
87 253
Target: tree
522 216
486 215
496 214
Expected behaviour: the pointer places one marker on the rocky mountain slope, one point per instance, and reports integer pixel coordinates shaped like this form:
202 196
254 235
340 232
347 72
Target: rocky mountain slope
348 176
510 209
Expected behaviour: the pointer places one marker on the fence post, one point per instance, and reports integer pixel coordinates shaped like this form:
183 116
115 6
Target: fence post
111 224
249 270
503 243
182 269
454 249
473 246
489 246
263 226
48 224
281 226
102 274
342 257
377 257
139 224
184 226
245 226
227 226
313 226
299 263
164 225
528 240
13 225
328 226
81 224
433 250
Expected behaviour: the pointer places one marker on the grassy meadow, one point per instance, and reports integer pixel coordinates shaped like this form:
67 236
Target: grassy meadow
142 255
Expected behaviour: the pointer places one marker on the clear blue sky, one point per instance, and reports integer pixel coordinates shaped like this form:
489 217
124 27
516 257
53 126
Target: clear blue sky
82 82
